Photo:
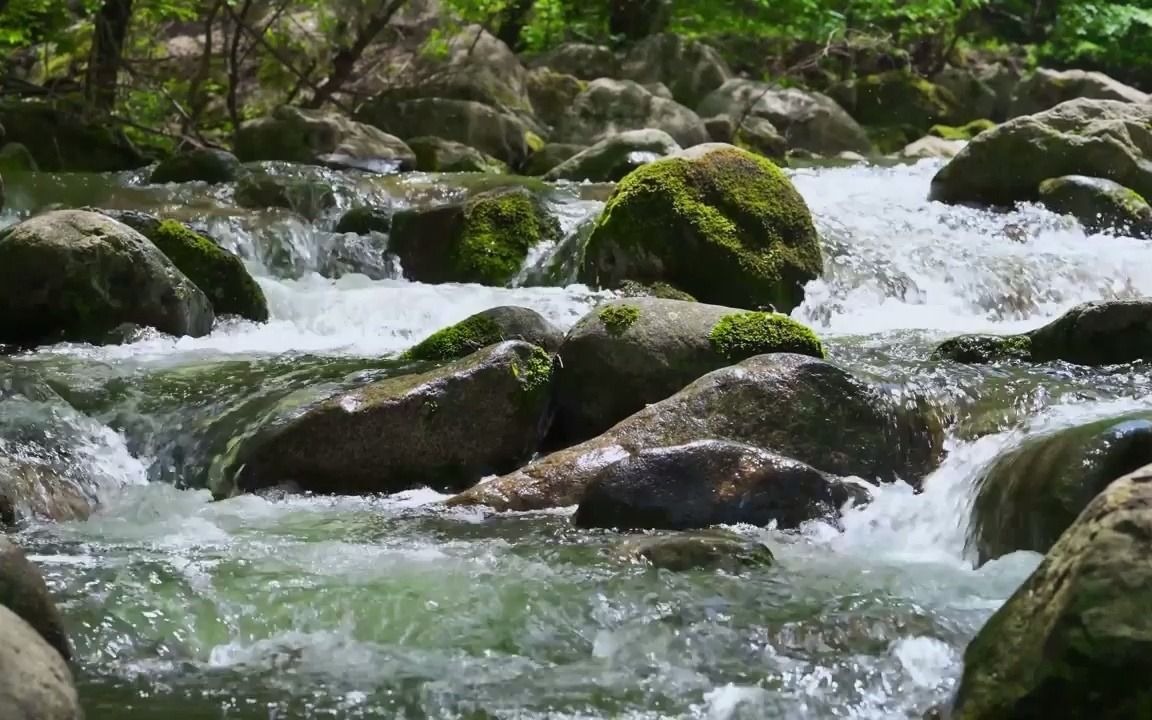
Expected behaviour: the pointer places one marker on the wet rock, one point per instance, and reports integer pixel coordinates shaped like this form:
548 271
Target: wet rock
720 128
35 682
1033 494
63 138
76 275
1047 88
321 137
444 428
807 120
1073 640
717 222
365 220
707 483
835 423
1099 138
552 93
583 60
932 147
484 239
758 135
899 101
437 155
207 165
1100 205
261 187
614 157
23 591
500 134
708 550
627 354
689 68
550 156
607 107
486 328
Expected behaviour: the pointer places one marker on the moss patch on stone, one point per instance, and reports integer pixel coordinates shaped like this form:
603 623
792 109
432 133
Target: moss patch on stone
456 341
499 230
616 319
963 132
742 335
534 372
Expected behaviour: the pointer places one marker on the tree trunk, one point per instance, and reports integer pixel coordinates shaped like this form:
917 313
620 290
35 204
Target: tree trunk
637 19
512 22
344 61
107 51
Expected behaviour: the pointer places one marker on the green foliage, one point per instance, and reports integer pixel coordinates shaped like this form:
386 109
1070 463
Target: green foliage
1111 36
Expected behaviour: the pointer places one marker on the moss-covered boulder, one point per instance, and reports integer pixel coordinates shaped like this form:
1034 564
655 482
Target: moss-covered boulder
35 682
1094 333
703 550
17 158
835 423
445 428
552 93
321 137
965 132
1073 641
898 100
550 156
484 239
437 155
1028 497
77 275
689 68
614 157
365 220
715 221
708 483
63 137
607 107
1004 165
485 328
627 354
1046 88
1101 206
583 60
207 165
23 591
262 187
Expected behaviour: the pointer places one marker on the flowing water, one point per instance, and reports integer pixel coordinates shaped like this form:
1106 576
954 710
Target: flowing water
299 607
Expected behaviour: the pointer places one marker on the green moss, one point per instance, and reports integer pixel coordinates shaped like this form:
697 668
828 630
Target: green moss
616 319
662 290
742 335
534 142
534 372
456 341
985 348
498 231
963 132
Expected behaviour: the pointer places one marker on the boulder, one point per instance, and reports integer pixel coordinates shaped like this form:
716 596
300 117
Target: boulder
610 159
689 68
484 239
207 165
835 423
1094 333
931 146
552 93
436 155
1101 206
64 138
1047 88
269 187
607 107
1073 640
24 592
898 101
807 120
35 682
720 128
1032 494
970 87
78 276
445 428
485 328
321 137
717 222
758 135
705 483
708 550
31 489
551 156
365 220
583 60
1098 138
627 354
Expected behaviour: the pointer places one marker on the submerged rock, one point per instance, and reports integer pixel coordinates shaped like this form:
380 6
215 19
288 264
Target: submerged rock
207 165
714 549
1047 88
486 328
23 591
689 68
1100 205
444 428
78 276
835 423
263 187
614 157
715 221
434 154
626 354
35 682
607 107
321 137
484 239
1073 641
709 482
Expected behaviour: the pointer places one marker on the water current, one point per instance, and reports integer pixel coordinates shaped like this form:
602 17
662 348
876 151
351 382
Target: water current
267 608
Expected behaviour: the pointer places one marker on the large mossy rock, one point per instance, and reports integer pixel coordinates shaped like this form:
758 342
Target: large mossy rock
689 68
79 276
24 592
614 157
835 422
1075 641
1094 333
485 328
1100 205
484 239
321 137
552 93
707 550
607 107
445 428
899 101
35 682
434 154
708 483
217 272
1028 497
627 354
717 222
1099 138
583 60
63 138
807 120
207 165
1047 88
